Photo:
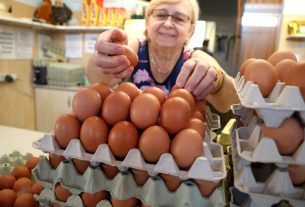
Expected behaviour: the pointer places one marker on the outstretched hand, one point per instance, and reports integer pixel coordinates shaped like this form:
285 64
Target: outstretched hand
198 77
109 52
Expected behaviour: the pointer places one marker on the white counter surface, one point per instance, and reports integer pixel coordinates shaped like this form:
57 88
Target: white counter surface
12 139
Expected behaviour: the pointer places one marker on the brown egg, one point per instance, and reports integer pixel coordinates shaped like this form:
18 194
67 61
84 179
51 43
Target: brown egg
200 106
197 125
91 200
295 77
103 89
244 65
7 181
278 56
67 127
37 188
197 115
288 136
156 92
144 110
23 185
297 174
94 131
26 199
21 171
131 56
263 74
130 89
183 93
55 160
116 107
81 165
32 163
109 170
131 202
186 147
122 137
86 102
174 87
154 141
140 176
7 198
172 182
207 187
61 193
282 67
175 114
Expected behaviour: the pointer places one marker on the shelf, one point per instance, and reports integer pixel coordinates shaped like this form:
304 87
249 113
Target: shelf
296 37
42 26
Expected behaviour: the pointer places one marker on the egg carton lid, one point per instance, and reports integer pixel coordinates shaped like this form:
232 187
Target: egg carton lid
252 146
281 98
122 186
278 183
209 166
9 161
240 199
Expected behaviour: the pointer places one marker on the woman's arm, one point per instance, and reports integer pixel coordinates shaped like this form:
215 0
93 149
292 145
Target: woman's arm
108 64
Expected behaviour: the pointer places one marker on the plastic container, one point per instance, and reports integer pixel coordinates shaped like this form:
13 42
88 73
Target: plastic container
209 166
122 186
282 102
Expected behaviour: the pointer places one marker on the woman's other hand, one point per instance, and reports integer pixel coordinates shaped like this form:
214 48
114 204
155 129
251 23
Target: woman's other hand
109 52
198 77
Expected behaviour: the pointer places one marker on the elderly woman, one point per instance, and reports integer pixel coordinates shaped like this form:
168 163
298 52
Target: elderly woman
164 59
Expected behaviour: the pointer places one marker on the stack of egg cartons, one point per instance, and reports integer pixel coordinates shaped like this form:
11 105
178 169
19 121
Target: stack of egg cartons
264 174
64 177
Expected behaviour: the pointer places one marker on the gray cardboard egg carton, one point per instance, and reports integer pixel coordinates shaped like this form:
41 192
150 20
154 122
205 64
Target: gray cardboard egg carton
240 199
8 162
252 146
209 166
212 122
278 185
282 102
154 192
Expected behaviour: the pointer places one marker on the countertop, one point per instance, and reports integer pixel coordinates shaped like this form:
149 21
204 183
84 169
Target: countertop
12 139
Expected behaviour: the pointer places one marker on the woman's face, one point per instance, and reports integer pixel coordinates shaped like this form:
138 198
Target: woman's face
170 31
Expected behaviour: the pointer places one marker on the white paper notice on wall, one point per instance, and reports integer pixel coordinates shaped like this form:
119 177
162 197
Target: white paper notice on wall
7 43
90 40
24 43
73 44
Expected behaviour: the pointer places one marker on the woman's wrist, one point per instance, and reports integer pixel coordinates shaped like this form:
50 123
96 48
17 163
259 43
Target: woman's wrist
219 81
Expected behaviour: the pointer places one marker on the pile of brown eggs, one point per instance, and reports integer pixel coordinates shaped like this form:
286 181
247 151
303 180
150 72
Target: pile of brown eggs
17 189
127 118
280 66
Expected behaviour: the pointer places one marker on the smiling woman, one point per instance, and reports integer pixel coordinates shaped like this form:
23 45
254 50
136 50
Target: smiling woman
164 58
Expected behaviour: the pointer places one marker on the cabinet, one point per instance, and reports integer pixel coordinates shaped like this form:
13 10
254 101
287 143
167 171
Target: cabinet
50 103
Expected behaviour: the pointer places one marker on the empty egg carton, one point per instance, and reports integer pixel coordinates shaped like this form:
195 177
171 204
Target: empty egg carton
8 162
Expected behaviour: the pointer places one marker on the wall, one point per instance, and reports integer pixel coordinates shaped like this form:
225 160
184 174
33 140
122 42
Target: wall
293 10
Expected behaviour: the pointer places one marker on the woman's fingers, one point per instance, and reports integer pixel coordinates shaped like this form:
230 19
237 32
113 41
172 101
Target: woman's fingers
185 73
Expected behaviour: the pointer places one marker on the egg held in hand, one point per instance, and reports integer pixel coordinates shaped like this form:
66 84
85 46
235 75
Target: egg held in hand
186 146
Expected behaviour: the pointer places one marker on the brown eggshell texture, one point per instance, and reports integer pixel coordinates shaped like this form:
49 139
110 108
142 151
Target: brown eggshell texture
103 89
280 55
131 56
86 102
295 77
154 141
130 89
7 181
282 68
175 114
116 107
156 92
91 200
123 136
26 199
67 127
186 146
94 131
183 93
7 197
144 110
263 74
61 193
